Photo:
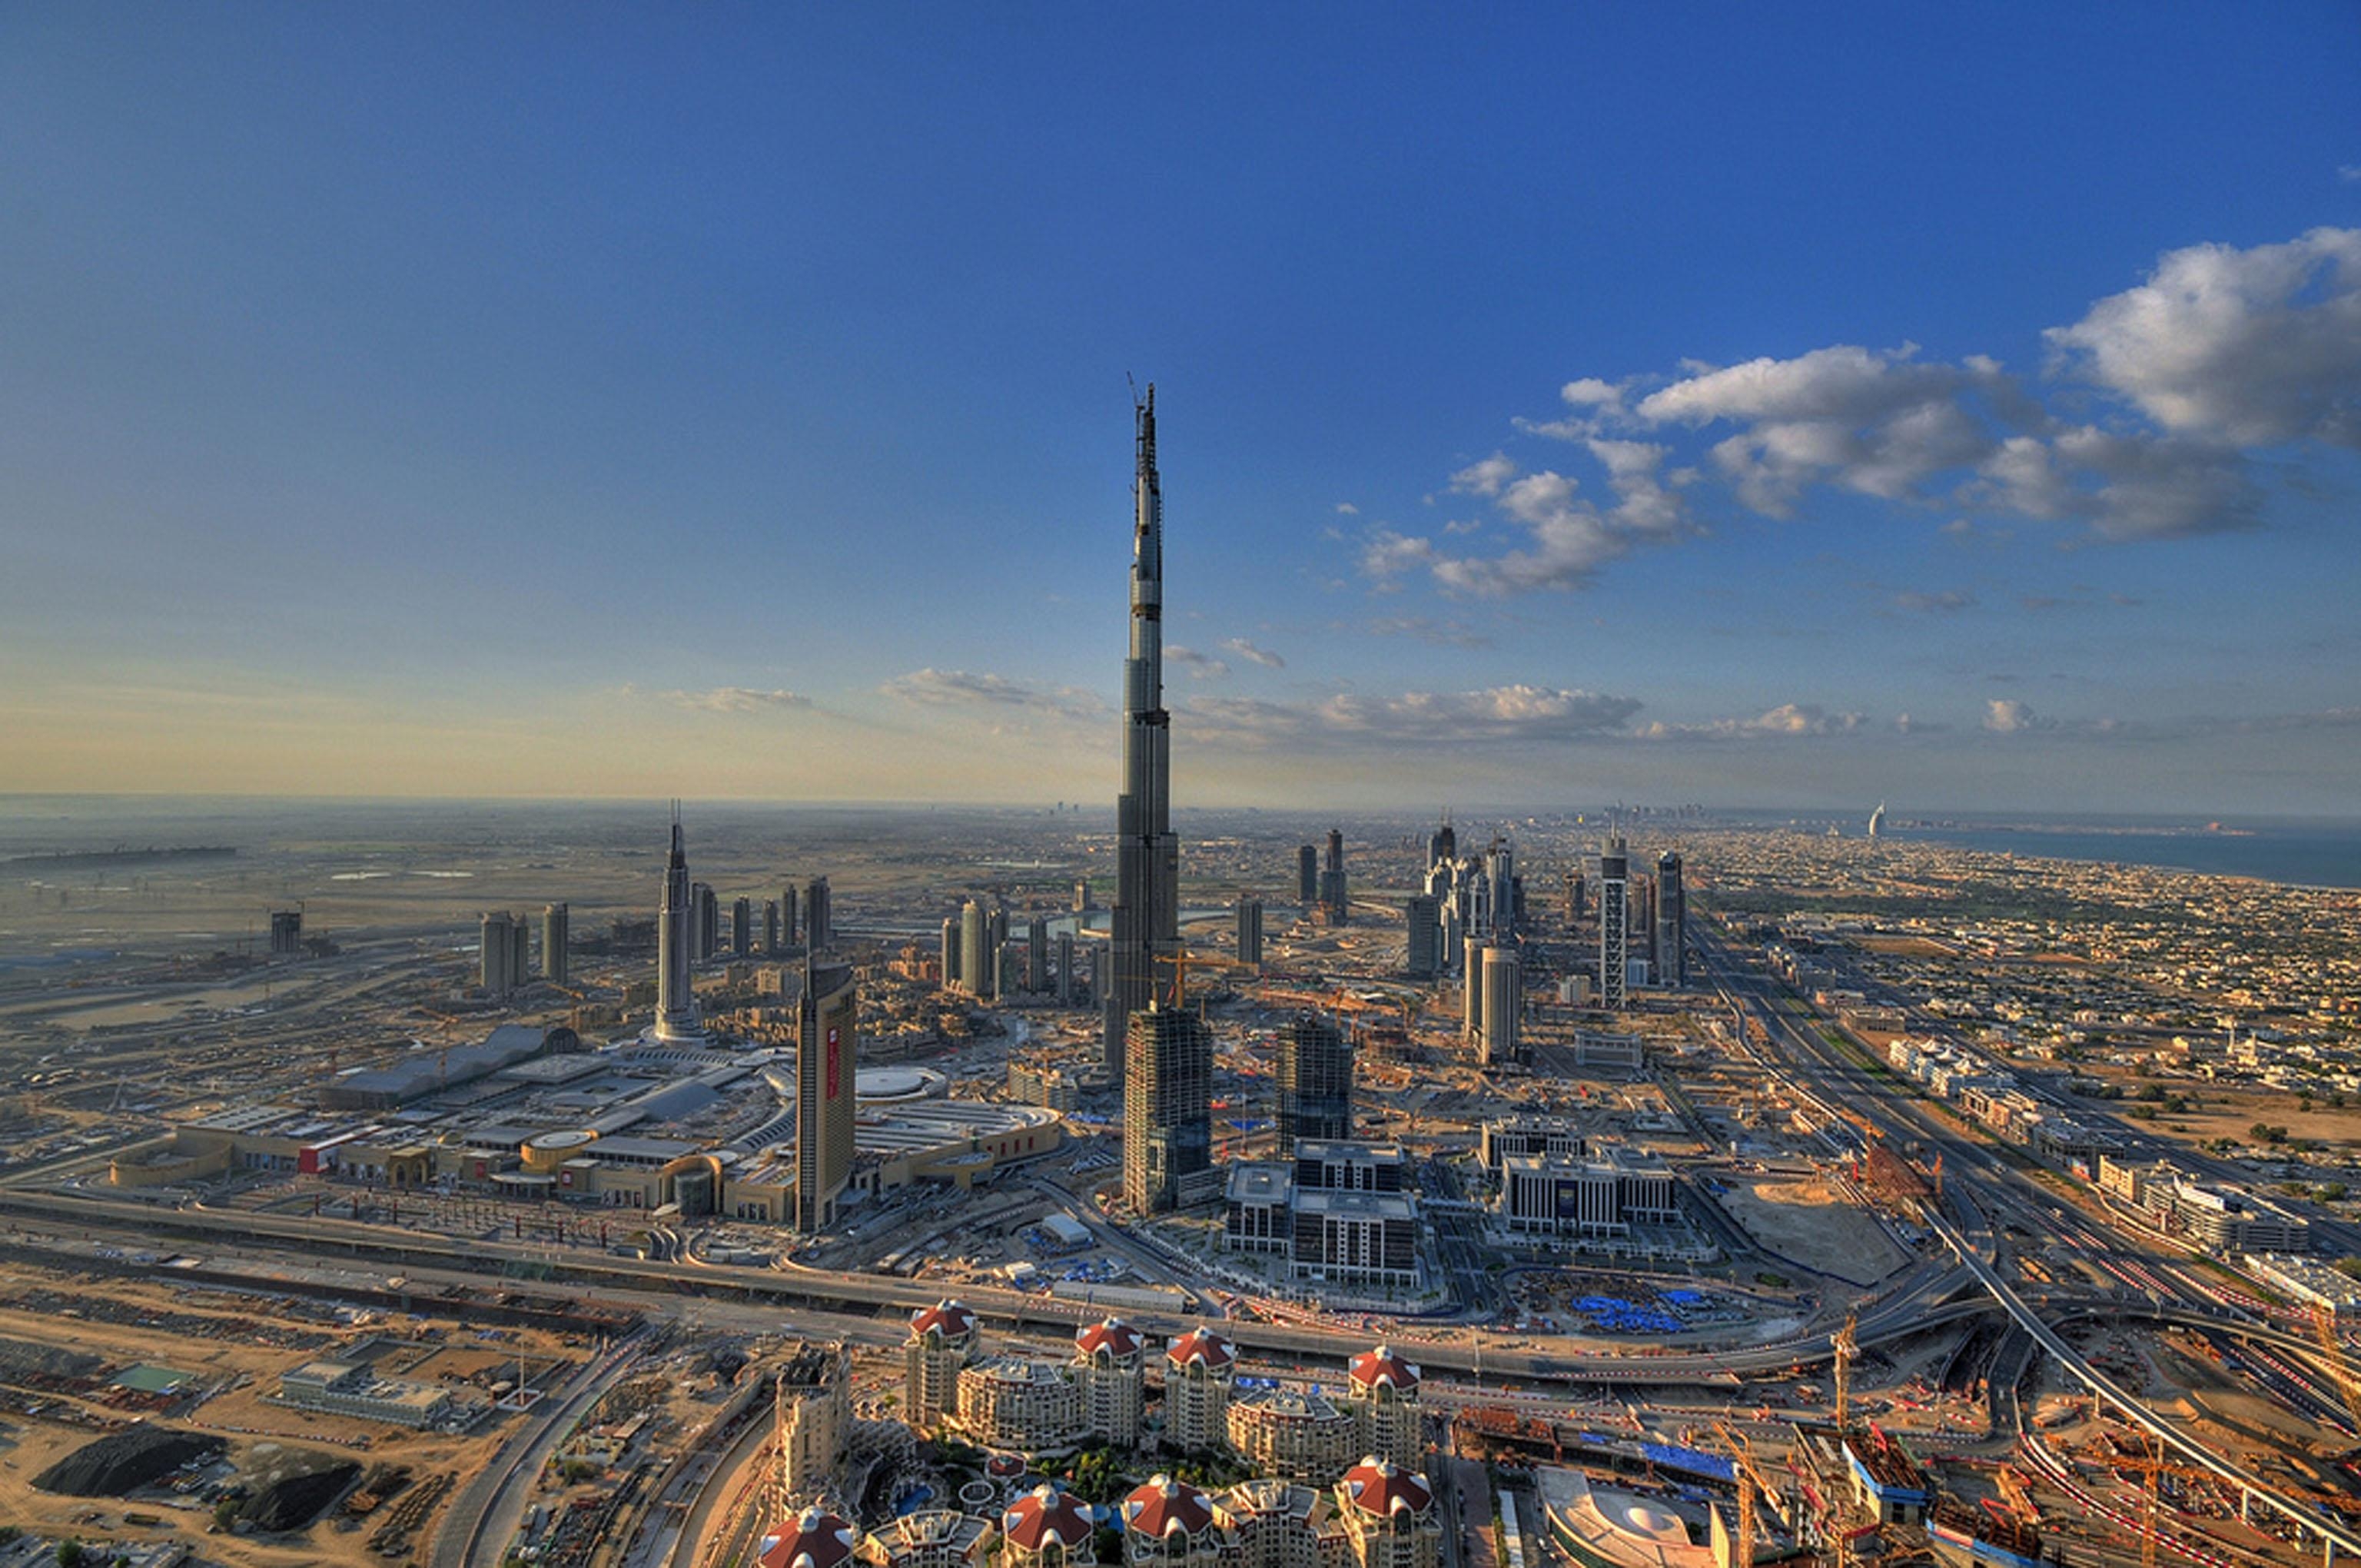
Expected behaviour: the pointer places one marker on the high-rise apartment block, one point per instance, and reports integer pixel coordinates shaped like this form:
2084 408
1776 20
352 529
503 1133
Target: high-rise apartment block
1614 936
819 916
553 922
815 1420
286 933
1199 1369
1423 916
942 1338
1307 876
741 928
1110 1363
1250 930
1504 1000
826 1073
503 956
1672 923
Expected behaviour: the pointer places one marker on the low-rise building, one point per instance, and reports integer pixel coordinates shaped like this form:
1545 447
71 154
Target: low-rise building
1601 1195
347 1388
1295 1433
1171 1524
1024 1406
930 1538
1047 1529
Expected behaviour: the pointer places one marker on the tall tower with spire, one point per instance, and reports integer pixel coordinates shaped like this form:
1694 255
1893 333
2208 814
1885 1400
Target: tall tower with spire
676 1002
1146 924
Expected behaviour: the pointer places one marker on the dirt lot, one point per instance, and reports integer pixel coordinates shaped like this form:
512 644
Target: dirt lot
223 1341
1808 1221
2232 1113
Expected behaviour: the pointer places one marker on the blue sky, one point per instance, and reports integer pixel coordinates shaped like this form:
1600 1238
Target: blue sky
1732 403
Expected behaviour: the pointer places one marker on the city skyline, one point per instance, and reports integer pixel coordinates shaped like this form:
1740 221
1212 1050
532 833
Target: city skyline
1581 408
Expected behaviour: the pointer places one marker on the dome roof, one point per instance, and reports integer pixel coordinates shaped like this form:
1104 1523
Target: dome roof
1375 1486
1381 1368
1204 1346
1044 1516
944 1320
1113 1337
813 1538
1164 1506
1647 1521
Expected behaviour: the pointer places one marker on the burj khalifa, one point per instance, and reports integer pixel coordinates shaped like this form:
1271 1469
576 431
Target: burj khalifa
1145 925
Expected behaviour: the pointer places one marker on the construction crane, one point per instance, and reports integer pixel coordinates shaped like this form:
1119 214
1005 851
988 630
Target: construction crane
1182 963
2323 1328
1750 1481
1846 1346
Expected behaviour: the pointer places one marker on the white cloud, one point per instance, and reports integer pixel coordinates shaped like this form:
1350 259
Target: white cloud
1789 719
1387 554
2007 716
1204 667
1510 714
1347 509
2250 347
961 688
1247 651
738 699
1484 478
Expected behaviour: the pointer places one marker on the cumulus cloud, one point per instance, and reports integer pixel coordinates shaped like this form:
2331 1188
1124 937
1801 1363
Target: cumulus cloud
1248 651
738 699
1387 555
2007 716
1508 714
961 688
2218 352
1204 667
1347 509
1789 719
1484 478
2247 347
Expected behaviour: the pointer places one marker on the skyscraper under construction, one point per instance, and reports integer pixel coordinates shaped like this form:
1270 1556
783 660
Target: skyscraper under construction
1146 922
1167 1107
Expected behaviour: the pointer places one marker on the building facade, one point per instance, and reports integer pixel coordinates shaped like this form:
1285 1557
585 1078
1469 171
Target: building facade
1298 1435
1199 1369
1314 1074
1388 1516
827 1069
942 1338
1110 1364
1168 1107
1022 1404
1381 1387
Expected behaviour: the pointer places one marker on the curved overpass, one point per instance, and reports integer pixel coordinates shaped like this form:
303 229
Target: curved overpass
2333 1532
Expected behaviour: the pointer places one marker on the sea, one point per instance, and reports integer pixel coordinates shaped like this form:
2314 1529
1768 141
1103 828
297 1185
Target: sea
2306 852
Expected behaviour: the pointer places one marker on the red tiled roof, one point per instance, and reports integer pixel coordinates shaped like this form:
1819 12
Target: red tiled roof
1375 1486
1044 1516
1381 1367
946 1320
1114 1336
1201 1346
1165 1506
813 1538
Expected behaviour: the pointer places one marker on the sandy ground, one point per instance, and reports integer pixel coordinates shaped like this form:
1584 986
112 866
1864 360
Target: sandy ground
1808 1221
2232 1113
241 1414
